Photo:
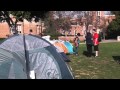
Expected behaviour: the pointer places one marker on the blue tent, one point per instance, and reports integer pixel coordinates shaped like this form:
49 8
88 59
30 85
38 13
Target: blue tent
69 47
31 57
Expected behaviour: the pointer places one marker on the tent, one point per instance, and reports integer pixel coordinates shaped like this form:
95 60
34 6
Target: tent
63 55
62 46
69 46
31 57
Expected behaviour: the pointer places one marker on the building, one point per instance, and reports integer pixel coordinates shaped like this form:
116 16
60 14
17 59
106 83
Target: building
22 28
99 19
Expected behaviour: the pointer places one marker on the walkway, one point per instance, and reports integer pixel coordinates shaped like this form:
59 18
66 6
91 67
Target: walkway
107 41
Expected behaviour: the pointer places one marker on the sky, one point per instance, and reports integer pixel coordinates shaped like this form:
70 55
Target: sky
107 12
75 14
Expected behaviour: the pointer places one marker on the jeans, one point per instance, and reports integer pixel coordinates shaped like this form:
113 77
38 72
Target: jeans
76 50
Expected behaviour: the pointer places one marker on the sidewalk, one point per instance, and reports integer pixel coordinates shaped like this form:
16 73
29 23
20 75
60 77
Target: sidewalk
107 41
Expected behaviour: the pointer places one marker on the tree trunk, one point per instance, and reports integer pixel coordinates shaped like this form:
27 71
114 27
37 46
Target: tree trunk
104 35
103 31
8 19
16 31
41 28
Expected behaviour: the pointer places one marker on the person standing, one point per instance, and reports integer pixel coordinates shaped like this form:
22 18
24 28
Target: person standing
76 44
89 44
96 42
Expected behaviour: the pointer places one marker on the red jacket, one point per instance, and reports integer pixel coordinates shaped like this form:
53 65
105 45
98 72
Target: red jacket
95 38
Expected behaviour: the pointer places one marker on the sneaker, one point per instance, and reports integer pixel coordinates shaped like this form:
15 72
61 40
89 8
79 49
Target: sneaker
76 54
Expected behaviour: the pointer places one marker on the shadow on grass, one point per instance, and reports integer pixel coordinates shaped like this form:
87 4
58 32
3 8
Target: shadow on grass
117 59
87 54
65 57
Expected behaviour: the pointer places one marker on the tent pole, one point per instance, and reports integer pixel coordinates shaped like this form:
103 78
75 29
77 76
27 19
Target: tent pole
27 59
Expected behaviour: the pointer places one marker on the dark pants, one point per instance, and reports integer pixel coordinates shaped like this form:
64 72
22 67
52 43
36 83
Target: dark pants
89 49
96 48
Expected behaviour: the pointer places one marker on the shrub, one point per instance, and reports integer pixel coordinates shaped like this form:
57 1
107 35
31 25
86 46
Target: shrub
54 34
113 29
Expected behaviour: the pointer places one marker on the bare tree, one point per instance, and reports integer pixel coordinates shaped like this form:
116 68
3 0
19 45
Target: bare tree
63 20
87 17
104 25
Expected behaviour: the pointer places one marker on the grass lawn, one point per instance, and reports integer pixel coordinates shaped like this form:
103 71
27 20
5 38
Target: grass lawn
103 67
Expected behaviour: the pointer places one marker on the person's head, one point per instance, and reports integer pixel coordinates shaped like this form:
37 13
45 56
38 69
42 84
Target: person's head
94 30
88 33
78 34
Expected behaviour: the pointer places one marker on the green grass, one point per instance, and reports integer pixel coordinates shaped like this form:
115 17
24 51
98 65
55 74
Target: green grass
1 39
102 67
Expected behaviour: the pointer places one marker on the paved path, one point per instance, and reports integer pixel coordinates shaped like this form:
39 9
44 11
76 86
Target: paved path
107 41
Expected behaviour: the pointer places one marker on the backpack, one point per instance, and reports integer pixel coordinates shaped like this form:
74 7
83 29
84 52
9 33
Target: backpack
99 38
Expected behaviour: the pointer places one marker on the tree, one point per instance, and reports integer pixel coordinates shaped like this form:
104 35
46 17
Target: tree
88 19
63 20
56 20
63 23
113 29
20 15
116 13
103 26
50 25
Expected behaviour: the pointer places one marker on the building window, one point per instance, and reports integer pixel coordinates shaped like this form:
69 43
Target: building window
107 13
19 28
90 13
98 13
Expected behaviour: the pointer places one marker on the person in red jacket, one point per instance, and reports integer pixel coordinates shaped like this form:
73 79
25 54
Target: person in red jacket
95 42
